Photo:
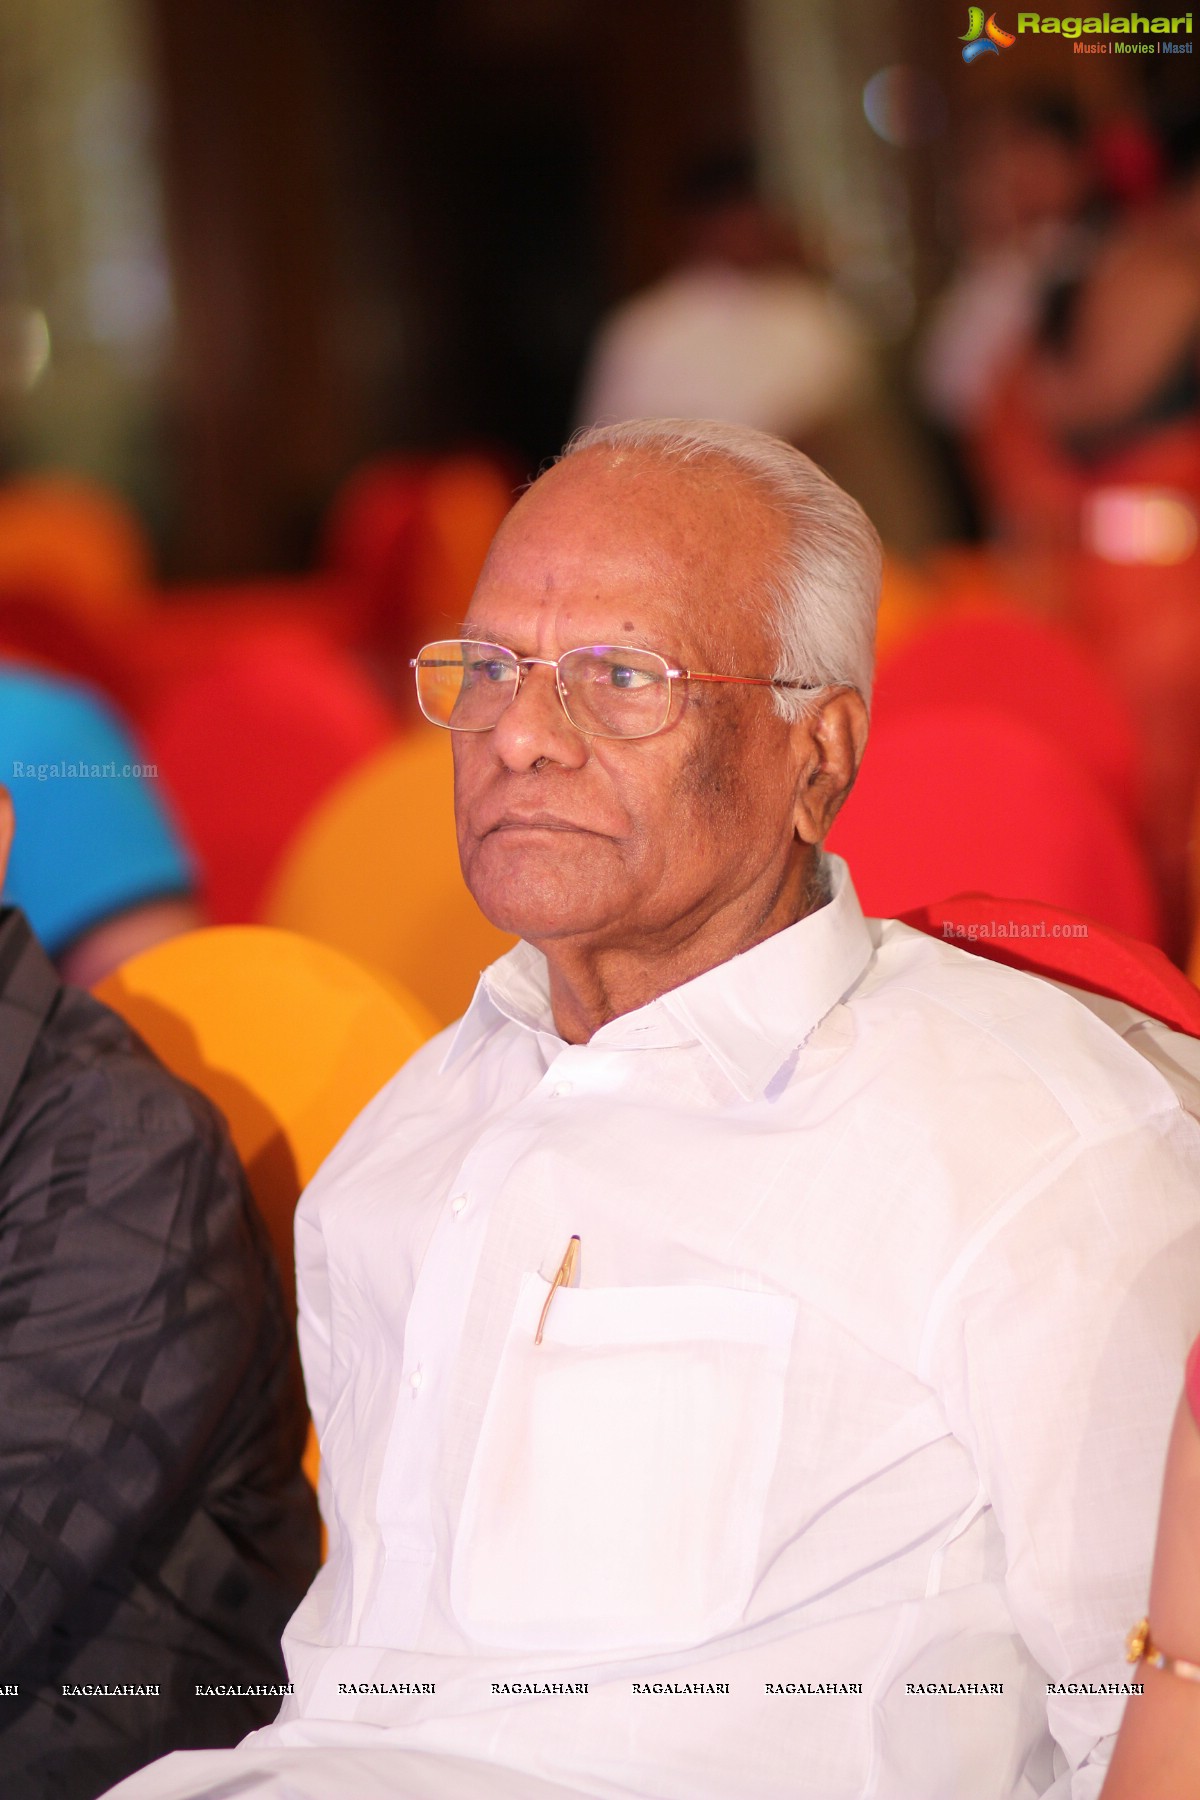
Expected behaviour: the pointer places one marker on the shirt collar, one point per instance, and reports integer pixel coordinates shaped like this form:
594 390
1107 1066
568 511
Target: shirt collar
28 987
749 1013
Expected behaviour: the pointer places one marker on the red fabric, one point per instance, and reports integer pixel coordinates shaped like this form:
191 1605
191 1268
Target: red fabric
1193 1380
250 743
1031 670
957 799
1022 933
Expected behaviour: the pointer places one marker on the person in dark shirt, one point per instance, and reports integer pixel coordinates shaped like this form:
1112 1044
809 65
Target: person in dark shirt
156 1530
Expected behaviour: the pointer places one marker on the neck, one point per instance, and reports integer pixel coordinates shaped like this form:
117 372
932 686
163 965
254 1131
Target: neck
592 983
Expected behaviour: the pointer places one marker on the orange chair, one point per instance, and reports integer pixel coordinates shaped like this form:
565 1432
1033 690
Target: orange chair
1027 668
959 799
375 872
248 745
290 1039
75 543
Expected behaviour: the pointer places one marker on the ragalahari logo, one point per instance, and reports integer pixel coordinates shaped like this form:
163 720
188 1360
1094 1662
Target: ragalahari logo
981 39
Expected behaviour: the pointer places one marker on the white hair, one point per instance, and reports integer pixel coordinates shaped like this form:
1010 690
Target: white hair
825 593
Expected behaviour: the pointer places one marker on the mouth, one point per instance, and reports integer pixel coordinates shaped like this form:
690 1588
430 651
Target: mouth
535 822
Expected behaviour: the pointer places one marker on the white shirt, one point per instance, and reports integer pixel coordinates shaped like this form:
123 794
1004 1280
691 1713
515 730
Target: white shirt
889 1264
768 348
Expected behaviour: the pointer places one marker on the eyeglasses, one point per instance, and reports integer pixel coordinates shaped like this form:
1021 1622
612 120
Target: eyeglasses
606 690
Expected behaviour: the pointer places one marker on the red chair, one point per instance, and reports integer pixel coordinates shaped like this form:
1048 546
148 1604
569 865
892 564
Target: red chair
250 743
369 531
1030 670
958 799
190 627
67 642
1048 940
411 536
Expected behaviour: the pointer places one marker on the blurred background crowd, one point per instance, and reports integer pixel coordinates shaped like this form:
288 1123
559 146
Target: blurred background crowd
295 296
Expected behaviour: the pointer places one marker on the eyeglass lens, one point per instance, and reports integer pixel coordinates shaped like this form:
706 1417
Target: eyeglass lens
609 691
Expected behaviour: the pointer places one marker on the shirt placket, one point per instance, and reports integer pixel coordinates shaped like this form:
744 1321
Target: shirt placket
433 1335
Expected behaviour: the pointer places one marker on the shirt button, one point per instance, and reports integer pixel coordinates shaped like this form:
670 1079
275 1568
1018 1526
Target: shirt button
561 1089
457 1204
415 1379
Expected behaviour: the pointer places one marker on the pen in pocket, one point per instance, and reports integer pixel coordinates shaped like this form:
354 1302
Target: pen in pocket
564 1276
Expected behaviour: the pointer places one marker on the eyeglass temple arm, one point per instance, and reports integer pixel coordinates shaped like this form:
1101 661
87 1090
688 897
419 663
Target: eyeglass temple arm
747 680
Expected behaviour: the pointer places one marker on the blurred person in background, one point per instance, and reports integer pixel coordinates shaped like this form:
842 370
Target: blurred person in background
738 330
1093 449
156 1530
1117 352
98 866
1024 184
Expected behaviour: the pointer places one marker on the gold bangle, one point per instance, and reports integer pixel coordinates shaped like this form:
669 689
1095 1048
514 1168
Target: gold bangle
1140 1647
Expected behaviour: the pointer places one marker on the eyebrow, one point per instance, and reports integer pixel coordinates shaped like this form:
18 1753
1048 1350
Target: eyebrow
633 639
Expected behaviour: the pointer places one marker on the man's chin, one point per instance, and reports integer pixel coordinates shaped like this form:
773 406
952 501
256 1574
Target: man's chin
540 896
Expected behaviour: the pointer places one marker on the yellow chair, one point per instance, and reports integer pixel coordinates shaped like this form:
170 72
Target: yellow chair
289 1038
374 871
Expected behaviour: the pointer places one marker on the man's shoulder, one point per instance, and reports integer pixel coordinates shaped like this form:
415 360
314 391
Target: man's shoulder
412 1091
982 1021
90 1076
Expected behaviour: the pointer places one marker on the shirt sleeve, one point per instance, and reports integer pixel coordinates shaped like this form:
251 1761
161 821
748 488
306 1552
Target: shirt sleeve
1059 1354
133 1279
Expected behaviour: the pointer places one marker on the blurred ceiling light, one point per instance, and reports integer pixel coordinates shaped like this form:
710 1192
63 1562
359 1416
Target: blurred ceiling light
24 347
904 105
1140 525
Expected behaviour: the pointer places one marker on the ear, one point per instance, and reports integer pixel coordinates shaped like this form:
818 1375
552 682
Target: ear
6 830
836 736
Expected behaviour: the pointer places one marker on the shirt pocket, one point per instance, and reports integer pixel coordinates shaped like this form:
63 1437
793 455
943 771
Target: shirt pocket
616 1496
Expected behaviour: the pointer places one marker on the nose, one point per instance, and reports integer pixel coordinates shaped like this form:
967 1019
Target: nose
533 728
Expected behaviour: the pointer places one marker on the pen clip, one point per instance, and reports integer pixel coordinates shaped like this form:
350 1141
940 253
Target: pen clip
564 1275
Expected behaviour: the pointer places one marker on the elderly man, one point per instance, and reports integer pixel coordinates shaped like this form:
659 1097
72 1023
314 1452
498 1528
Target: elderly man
743 1347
